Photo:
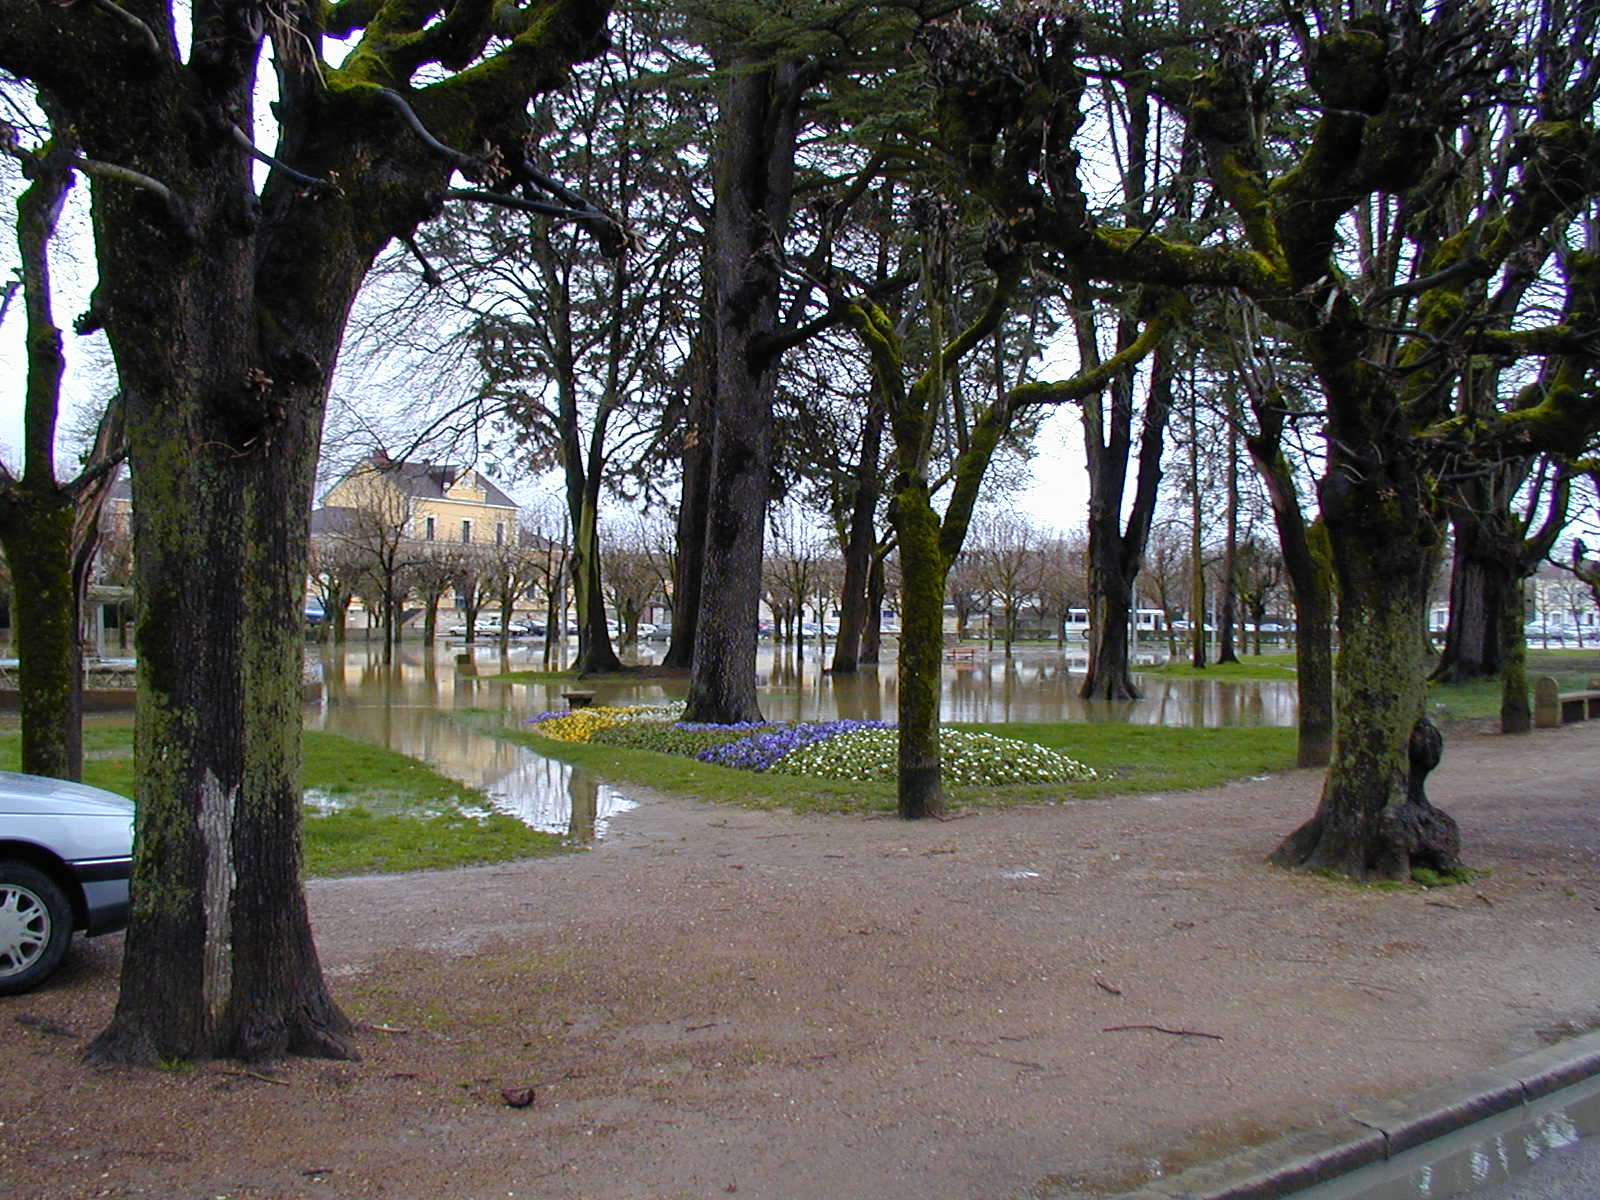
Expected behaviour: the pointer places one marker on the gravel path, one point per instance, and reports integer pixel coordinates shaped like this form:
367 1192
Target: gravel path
1061 1000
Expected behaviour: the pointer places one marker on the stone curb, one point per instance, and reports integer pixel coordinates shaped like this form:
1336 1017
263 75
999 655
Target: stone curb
1371 1135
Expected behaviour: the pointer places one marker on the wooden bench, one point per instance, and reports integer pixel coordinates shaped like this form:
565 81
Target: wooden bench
961 653
578 699
1553 707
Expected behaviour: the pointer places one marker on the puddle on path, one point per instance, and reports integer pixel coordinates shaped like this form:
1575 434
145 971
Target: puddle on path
1488 1152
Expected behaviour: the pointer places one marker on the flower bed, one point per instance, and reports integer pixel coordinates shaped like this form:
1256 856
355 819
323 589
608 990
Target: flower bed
581 724
966 758
845 750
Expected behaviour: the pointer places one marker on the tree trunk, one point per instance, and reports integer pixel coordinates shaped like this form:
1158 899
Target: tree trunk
595 653
1227 616
1374 822
1310 583
872 632
37 514
1197 559
1110 676
1516 715
36 532
691 525
1116 550
225 311
1482 574
923 569
219 958
757 128
860 545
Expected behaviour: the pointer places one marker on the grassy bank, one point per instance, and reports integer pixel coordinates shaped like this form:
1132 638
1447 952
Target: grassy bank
376 811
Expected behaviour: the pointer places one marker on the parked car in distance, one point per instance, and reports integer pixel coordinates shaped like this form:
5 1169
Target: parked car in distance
658 633
482 627
66 856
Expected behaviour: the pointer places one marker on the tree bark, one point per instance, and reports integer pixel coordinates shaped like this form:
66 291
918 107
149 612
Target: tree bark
1516 714
1310 583
1116 550
1373 821
872 632
699 437
1484 570
225 311
1227 615
36 531
757 128
860 546
923 567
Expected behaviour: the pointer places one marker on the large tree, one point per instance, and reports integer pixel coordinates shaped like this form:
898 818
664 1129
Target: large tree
1391 103
225 305
48 527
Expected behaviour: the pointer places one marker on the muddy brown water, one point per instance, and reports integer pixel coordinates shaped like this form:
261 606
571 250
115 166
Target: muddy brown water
407 706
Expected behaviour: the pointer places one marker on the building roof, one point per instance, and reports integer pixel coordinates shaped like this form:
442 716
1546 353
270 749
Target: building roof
432 481
333 519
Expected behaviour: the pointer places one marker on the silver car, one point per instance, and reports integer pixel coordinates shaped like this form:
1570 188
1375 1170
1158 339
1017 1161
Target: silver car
66 854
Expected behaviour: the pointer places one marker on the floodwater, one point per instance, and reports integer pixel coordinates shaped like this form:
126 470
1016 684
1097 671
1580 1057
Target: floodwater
407 706
1481 1155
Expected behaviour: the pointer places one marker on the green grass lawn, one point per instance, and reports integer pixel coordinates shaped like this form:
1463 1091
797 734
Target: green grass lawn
393 813
1277 666
1127 759
1572 670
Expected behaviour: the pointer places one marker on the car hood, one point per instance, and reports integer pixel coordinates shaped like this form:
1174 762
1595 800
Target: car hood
33 794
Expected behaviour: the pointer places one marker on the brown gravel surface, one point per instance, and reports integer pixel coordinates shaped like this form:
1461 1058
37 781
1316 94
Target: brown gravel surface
1060 1000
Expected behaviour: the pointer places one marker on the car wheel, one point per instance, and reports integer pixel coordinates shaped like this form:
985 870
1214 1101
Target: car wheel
35 926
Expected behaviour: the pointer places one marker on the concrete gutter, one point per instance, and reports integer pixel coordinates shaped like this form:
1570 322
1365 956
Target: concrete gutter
1372 1135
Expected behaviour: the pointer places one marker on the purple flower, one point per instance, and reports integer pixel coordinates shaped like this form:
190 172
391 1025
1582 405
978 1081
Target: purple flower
761 750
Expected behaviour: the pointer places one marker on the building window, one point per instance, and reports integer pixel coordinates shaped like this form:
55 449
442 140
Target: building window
466 532
427 532
499 533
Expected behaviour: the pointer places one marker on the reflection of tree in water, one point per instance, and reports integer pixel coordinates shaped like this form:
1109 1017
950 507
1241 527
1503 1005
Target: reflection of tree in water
411 706
584 792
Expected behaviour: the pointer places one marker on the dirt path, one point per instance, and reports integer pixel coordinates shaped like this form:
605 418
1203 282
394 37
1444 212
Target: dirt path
1057 1000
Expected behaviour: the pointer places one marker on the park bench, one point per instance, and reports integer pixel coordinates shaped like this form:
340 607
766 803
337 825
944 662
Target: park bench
578 699
1553 707
961 653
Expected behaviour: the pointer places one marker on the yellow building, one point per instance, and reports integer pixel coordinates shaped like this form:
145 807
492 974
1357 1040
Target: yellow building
428 502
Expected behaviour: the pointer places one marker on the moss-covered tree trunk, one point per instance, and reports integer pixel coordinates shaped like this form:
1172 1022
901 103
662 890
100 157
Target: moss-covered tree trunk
923 568
47 528
1310 583
756 133
1373 821
1516 713
595 652
225 309
37 535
